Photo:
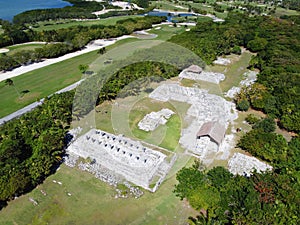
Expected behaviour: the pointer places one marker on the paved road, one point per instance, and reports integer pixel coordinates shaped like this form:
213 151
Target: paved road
35 104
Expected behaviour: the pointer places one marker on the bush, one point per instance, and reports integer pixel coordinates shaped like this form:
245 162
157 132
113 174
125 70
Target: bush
252 119
243 105
236 50
267 125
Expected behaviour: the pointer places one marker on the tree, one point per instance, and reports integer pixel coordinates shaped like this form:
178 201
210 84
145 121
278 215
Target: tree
243 105
267 125
83 68
10 82
102 51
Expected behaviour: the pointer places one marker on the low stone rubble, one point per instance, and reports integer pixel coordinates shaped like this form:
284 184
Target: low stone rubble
222 61
152 120
212 77
249 78
245 165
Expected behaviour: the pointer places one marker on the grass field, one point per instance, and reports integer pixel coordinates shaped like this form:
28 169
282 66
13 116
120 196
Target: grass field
93 202
58 24
281 11
164 5
234 71
167 31
42 82
45 81
23 47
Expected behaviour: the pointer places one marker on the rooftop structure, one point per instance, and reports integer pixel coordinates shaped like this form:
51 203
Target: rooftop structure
194 69
214 130
195 72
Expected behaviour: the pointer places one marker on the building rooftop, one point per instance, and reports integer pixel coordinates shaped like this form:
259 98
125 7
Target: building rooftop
214 130
194 69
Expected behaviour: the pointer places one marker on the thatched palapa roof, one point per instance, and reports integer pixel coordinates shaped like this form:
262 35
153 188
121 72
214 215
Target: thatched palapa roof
214 130
194 69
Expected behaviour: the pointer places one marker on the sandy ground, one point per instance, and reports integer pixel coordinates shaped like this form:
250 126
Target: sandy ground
124 5
95 45
4 50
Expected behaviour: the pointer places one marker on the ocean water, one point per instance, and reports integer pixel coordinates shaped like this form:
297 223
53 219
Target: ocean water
10 8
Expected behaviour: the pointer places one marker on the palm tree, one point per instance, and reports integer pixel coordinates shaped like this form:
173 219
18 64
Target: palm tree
101 51
83 68
9 82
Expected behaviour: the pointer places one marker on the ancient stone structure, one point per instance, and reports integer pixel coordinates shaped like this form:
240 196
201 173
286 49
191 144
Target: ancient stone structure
204 108
249 78
244 165
152 120
121 156
195 72
222 61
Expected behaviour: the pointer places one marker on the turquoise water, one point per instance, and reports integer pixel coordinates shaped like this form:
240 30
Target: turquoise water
9 8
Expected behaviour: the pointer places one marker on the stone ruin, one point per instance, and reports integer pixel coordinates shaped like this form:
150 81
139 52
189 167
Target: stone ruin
249 78
152 120
115 158
204 108
222 61
245 165
194 73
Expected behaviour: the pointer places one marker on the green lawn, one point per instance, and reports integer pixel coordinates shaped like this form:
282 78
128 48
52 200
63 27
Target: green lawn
166 136
164 5
234 71
45 81
42 82
58 24
17 48
281 11
93 202
167 31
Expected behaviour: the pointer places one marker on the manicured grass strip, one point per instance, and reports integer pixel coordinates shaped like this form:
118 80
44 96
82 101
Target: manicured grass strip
70 23
27 47
45 81
41 83
172 136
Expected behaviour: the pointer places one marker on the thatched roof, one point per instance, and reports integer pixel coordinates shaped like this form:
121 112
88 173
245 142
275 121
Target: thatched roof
194 69
214 130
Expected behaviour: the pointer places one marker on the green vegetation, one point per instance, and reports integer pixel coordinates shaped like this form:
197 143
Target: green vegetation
92 202
166 32
239 199
166 136
31 146
79 10
42 82
277 59
71 39
64 23
165 5
271 197
131 73
23 47
45 81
